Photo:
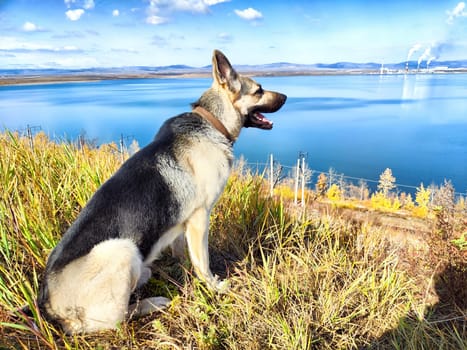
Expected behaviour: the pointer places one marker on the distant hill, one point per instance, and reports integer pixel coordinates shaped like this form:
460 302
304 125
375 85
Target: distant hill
270 67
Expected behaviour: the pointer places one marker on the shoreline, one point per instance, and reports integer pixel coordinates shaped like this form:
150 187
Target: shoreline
10 80
76 78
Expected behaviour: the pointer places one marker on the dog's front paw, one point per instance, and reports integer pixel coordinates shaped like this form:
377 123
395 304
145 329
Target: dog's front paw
148 305
220 286
223 286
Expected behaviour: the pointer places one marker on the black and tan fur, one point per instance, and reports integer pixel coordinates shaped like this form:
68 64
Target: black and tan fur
166 189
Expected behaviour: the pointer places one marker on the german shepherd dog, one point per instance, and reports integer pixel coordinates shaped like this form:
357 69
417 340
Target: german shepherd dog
164 190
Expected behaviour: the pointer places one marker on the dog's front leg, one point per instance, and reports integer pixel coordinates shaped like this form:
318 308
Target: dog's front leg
197 231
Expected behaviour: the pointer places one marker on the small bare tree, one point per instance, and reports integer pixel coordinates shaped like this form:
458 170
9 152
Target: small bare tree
322 185
445 196
134 147
387 182
358 191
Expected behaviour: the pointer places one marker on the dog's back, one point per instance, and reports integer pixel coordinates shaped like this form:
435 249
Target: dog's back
130 203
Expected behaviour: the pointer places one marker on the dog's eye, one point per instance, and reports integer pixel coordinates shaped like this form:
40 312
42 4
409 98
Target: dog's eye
259 91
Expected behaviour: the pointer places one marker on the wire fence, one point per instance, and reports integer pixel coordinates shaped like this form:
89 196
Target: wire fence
333 176
274 170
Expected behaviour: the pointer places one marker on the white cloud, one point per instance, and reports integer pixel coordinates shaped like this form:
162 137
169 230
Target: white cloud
76 62
249 14
154 19
214 2
159 41
115 13
17 52
74 15
11 44
224 37
152 12
188 5
125 50
14 45
29 27
67 48
88 4
166 6
193 5
69 2
458 11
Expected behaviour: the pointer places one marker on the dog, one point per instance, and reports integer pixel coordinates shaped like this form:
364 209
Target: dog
163 191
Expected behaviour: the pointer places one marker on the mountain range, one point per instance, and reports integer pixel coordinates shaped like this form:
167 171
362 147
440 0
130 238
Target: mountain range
282 67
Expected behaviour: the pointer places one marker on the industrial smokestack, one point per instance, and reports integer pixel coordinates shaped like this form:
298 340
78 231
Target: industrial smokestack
429 61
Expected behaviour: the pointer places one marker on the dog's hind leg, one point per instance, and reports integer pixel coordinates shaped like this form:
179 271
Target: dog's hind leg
145 275
92 293
197 231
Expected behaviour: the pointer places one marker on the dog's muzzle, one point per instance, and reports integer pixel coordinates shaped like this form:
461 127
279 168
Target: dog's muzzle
255 118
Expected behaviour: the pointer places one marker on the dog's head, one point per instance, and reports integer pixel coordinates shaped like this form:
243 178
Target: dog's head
247 96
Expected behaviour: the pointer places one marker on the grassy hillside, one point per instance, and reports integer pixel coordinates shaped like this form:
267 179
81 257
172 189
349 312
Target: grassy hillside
299 280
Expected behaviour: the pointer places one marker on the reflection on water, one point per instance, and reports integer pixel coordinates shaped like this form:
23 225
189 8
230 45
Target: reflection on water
359 125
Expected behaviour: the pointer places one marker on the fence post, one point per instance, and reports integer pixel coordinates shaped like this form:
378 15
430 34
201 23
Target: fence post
29 133
81 142
122 148
296 182
271 175
303 181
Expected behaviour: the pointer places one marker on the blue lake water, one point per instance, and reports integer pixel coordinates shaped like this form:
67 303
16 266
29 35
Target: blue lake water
357 124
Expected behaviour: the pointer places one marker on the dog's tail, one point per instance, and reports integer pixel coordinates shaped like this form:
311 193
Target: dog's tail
24 311
30 312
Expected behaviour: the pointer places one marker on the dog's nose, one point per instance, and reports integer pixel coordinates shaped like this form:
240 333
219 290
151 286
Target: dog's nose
284 98
281 100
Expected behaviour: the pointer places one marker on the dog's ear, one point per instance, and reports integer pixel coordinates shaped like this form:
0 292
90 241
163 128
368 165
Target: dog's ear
223 72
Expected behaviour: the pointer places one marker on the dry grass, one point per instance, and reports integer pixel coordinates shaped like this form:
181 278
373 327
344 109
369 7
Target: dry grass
297 282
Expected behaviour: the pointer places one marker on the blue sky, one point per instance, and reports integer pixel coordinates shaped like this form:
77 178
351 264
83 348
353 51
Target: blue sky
108 33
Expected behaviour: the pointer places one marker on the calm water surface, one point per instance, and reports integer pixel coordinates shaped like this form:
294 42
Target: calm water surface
359 125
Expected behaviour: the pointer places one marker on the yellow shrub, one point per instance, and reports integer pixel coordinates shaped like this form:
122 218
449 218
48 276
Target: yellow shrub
396 204
379 201
334 193
285 192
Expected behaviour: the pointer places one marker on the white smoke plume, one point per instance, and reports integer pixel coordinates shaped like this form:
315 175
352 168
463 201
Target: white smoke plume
426 55
434 50
414 49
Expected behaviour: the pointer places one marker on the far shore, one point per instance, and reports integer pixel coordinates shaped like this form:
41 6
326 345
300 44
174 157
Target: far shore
21 79
84 77
71 78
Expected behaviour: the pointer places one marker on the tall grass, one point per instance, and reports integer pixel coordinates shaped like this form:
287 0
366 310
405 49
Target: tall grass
297 281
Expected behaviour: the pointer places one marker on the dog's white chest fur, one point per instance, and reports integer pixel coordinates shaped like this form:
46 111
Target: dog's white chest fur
211 167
